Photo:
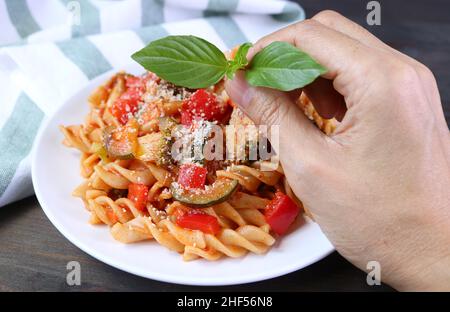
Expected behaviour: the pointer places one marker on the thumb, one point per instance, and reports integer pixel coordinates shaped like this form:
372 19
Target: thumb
271 107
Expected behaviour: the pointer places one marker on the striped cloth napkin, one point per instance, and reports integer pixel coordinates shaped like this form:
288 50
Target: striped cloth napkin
49 49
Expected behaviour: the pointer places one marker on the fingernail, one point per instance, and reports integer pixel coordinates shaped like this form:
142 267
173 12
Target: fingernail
237 89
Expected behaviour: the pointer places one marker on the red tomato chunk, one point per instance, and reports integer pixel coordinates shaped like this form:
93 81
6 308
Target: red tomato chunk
138 193
199 221
202 104
280 213
127 104
192 176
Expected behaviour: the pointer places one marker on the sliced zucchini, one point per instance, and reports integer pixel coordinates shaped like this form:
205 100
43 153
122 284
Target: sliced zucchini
166 125
213 194
100 150
121 142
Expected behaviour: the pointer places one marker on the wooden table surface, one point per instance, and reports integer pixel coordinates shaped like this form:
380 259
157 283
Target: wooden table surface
33 254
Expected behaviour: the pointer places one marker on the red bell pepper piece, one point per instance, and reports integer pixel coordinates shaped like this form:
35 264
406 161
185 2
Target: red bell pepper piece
127 104
192 176
138 193
280 213
202 104
199 221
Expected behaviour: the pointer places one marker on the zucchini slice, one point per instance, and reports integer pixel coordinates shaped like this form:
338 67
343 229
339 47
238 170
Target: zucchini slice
121 142
213 194
100 150
166 125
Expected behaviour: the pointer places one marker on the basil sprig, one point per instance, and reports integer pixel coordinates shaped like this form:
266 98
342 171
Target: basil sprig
239 61
192 62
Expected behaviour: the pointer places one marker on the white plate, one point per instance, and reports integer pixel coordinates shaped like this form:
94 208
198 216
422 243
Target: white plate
55 170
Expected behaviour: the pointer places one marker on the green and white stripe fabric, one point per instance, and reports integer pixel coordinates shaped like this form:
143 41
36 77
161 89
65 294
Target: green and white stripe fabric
49 49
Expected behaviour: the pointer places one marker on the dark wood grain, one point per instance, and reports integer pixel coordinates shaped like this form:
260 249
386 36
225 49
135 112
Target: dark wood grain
33 254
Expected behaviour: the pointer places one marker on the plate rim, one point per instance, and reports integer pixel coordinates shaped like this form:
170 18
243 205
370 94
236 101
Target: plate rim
163 277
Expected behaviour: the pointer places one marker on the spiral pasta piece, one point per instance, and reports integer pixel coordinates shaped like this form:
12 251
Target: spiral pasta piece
236 243
133 231
76 136
227 211
163 237
326 125
87 164
192 238
85 191
191 253
115 87
253 216
111 89
110 212
250 178
158 192
117 175
242 200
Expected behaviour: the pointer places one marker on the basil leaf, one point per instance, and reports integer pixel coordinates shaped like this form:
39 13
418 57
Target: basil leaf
282 66
186 61
240 60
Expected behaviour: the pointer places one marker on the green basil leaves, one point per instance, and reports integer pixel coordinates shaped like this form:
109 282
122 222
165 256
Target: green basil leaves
192 62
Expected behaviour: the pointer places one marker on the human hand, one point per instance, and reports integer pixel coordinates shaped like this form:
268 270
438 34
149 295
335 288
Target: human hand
379 186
